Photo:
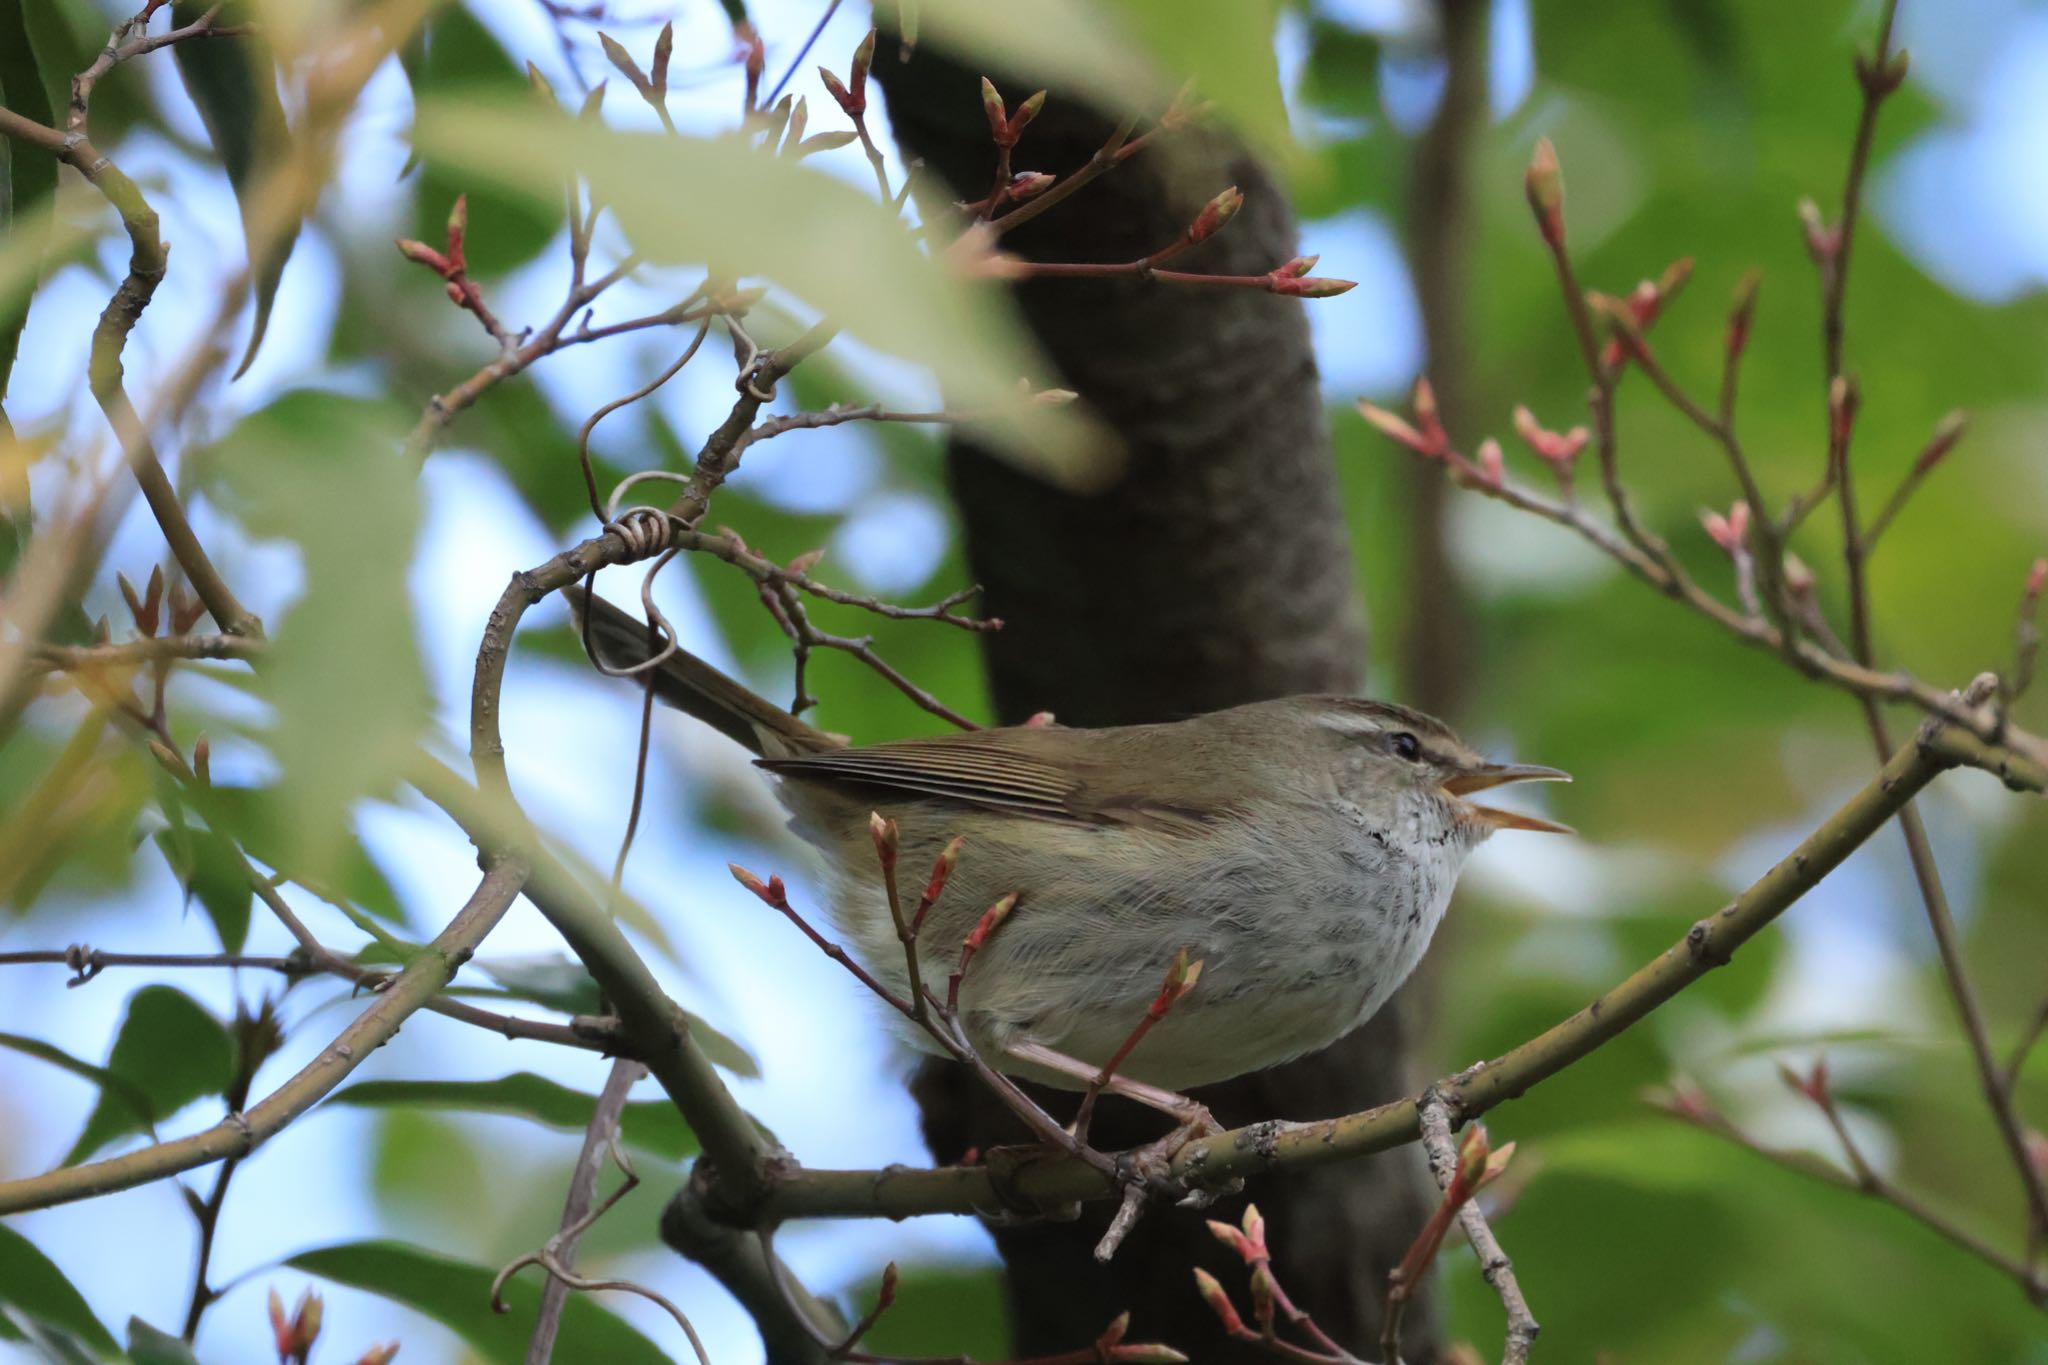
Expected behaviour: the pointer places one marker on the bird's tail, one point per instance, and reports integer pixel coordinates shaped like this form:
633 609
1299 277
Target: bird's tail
682 680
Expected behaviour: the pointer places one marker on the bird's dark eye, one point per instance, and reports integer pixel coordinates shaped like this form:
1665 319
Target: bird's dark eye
1405 745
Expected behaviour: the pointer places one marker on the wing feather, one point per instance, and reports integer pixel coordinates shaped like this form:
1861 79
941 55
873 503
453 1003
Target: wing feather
986 774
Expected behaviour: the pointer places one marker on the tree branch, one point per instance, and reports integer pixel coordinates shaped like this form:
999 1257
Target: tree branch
240 1133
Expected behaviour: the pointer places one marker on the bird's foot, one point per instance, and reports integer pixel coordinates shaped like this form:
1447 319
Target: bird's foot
1147 1172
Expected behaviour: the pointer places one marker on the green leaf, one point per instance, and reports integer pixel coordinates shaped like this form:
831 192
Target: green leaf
68 811
51 1345
460 61
211 868
234 83
169 1053
561 983
116 1087
32 1284
148 1346
325 471
553 979
941 1311
835 247
253 817
28 175
653 1125
457 1295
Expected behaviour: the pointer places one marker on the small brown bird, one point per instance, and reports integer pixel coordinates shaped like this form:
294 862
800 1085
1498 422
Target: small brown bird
1302 849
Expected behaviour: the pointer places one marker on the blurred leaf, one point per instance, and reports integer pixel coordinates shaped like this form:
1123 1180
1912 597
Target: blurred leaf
116 1087
148 1346
254 818
941 1311
553 979
67 814
168 1053
32 1284
460 61
51 1345
325 471
426 1170
562 983
653 1125
233 81
28 175
210 867
796 224
1128 55
457 1295
1229 57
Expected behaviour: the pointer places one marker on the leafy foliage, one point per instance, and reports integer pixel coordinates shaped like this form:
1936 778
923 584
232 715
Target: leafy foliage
458 1296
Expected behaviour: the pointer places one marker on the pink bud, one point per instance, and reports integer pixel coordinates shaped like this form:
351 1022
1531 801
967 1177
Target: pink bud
1947 432
1311 287
2037 577
1823 243
1215 214
1029 184
1392 427
854 105
1026 112
1219 1303
1492 467
992 105
1297 266
426 256
1426 417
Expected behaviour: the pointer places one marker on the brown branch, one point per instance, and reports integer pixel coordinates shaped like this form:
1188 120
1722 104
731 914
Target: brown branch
1493 1262
598 1137
1691 1109
77 658
240 1133
2016 757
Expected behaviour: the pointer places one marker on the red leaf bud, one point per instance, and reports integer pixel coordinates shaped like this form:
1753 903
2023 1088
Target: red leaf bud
992 105
1215 214
1219 1303
1947 432
1029 184
854 105
1492 465
1312 287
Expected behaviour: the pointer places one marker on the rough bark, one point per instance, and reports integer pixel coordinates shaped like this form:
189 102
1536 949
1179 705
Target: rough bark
1216 571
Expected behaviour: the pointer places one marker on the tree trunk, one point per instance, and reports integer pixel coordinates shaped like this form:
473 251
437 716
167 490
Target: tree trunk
1216 571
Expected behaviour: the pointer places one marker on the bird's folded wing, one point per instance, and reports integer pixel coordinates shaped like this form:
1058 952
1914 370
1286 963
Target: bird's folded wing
989 775
1066 783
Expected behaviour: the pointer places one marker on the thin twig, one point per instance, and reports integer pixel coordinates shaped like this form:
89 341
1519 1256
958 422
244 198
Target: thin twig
598 1136
1493 1262
1691 1109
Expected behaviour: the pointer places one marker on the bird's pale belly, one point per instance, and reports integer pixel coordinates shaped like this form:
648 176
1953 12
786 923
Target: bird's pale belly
1280 978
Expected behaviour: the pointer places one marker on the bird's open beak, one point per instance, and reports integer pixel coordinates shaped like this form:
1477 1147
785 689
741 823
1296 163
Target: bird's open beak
1498 774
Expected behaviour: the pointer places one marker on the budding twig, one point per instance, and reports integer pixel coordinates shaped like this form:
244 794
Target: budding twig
1181 976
